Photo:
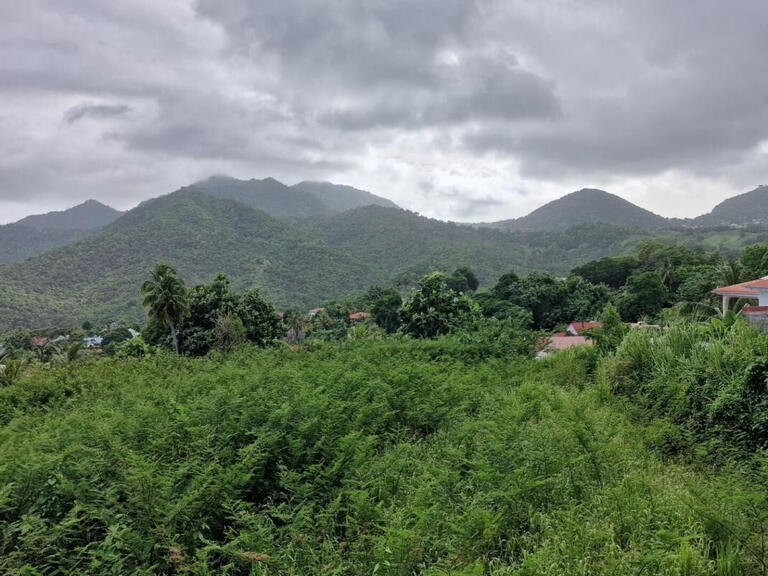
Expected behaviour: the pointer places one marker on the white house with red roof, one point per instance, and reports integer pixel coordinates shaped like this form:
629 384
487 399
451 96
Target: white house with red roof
754 290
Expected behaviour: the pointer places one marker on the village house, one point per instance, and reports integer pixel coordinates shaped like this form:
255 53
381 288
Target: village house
572 336
357 317
756 315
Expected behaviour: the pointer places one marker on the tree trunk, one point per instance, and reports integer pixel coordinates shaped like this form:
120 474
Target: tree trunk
175 338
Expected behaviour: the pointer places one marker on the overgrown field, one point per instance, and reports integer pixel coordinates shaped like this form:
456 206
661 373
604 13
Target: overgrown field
391 457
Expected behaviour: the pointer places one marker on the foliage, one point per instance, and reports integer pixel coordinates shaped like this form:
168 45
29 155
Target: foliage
133 348
462 280
384 304
755 261
390 457
166 298
549 300
643 296
435 309
612 272
609 336
709 378
220 317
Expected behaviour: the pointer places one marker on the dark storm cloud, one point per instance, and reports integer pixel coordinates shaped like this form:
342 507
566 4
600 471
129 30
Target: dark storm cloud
498 105
95 111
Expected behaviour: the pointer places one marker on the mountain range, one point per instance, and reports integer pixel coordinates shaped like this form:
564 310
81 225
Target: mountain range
308 243
36 234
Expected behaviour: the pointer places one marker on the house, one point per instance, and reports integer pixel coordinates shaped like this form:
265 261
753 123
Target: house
575 328
753 290
92 341
315 311
357 317
39 341
568 339
562 341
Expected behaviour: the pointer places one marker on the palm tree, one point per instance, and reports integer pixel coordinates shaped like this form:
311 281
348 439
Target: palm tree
166 297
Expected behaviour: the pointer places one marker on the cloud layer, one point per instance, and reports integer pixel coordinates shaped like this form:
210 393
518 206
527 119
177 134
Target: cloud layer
457 109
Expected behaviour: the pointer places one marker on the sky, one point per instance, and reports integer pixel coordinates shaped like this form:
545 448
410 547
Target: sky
456 109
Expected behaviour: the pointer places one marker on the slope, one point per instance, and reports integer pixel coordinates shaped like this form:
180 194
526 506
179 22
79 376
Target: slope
342 198
396 242
89 215
42 232
18 242
275 198
99 277
748 208
582 207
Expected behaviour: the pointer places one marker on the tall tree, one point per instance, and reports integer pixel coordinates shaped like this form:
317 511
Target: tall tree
166 298
435 309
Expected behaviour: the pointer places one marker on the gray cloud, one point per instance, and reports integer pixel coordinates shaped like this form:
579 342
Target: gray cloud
497 106
95 111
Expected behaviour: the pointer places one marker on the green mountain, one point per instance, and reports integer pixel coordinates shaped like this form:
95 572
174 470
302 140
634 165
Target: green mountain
341 198
584 207
19 242
297 262
299 201
36 234
269 195
99 277
89 215
398 243
744 209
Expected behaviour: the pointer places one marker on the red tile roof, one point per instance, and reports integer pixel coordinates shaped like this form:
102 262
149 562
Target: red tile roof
359 315
754 309
579 326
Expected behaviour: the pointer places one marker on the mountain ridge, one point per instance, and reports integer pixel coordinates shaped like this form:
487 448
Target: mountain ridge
87 215
585 206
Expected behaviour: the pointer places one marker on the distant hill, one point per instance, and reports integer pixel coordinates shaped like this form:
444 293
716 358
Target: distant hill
89 215
402 245
744 209
341 198
39 233
297 262
99 277
584 207
298 201
269 195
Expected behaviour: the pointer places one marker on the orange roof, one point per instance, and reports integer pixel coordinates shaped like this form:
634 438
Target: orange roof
579 326
359 315
743 289
761 283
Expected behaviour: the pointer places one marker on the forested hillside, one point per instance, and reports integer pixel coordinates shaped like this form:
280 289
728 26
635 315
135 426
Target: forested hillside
299 201
89 215
748 208
584 207
99 276
42 232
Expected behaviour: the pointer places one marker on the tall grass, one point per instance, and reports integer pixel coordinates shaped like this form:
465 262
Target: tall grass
391 457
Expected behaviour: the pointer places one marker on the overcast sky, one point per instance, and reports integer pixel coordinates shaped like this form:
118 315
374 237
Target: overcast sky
456 109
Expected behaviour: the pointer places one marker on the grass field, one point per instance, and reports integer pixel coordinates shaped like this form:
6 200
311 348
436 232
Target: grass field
393 457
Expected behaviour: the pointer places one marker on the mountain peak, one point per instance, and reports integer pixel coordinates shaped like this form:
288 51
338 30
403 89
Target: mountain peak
747 208
585 206
89 215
